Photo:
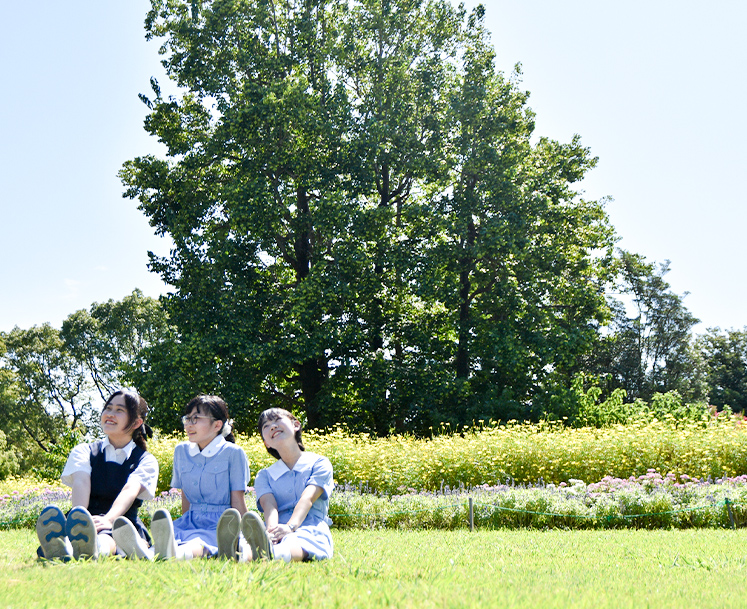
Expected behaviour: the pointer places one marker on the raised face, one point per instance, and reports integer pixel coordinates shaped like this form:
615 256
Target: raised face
115 418
201 428
279 431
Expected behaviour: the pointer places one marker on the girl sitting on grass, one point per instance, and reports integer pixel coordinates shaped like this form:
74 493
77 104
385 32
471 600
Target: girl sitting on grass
293 493
212 473
110 478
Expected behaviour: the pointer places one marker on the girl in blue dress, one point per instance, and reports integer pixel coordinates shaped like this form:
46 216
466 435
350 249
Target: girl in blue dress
212 473
293 493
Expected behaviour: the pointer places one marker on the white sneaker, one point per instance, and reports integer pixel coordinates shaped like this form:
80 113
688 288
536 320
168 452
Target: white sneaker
256 537
162 531
129 541
227 532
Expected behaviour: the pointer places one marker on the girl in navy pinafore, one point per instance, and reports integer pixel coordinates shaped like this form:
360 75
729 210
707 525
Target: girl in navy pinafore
109 478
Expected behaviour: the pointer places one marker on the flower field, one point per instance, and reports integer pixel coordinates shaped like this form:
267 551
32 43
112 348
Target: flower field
514 454
657 474
647 501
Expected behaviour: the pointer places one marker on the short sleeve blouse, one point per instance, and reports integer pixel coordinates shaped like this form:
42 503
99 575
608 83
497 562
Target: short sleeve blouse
287 485
207 476
146 471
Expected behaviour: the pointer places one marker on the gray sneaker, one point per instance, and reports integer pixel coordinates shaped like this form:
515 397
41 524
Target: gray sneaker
127 539
82 533
228 530
255 535
162 531
50 529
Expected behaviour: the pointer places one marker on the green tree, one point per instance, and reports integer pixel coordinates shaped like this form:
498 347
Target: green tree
110 340
49 378
44 394
8 456
724 358
362 230
523 286
281 201
647 350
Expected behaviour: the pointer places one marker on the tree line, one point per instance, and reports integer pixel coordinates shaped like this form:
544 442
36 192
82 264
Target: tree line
52 380
367 231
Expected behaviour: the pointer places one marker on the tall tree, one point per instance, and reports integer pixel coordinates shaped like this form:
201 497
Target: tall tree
239 201
358 215
724 358
647 348
46 392
524 286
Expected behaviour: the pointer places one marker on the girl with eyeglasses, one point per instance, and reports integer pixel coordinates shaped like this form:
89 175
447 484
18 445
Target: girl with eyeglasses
212 473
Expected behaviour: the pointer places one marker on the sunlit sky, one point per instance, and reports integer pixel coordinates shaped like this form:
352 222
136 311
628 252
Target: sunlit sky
656 90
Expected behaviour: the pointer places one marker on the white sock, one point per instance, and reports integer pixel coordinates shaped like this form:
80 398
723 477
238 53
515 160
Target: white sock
245 552
103 546
184 552
282 552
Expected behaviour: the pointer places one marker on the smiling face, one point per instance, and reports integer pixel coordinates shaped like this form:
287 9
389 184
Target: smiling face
201 428
115 421
280 432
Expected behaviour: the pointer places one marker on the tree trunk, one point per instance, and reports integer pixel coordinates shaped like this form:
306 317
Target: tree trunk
312 372
467 264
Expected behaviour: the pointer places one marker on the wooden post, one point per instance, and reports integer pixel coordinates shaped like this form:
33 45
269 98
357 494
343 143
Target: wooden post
471 516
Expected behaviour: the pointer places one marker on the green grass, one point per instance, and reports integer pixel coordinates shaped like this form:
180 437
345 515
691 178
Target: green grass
622 568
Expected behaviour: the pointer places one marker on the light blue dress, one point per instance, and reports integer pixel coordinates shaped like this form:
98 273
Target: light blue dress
287 485
207 478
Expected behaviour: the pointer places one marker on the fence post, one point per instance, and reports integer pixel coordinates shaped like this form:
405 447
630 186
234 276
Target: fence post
731 514
471 516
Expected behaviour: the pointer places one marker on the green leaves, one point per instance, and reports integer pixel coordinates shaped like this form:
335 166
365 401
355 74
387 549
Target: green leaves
363 229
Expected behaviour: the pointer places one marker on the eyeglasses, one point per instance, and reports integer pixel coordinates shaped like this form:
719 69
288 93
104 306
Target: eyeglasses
193 420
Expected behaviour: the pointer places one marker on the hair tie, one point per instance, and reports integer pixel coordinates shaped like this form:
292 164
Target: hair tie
147 431
227 427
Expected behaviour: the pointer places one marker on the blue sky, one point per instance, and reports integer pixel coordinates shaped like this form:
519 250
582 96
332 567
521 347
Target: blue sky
655 89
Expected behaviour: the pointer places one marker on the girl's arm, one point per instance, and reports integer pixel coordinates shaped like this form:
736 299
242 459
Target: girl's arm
310 494
81 489
238 501
270 508
185 503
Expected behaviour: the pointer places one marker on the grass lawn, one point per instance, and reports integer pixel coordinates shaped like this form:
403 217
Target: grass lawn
618 568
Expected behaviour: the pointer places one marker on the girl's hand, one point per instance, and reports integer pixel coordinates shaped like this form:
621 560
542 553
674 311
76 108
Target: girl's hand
278 532
102 523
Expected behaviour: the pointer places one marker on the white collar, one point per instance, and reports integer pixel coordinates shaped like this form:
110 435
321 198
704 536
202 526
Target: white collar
278 468
210 450
127 448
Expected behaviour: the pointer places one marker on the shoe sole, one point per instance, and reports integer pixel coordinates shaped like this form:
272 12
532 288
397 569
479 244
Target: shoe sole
255 535
51 530
227 532
82 533
162 531
127 539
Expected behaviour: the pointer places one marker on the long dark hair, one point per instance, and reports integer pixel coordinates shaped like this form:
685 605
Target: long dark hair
137 407
273 414
213 406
